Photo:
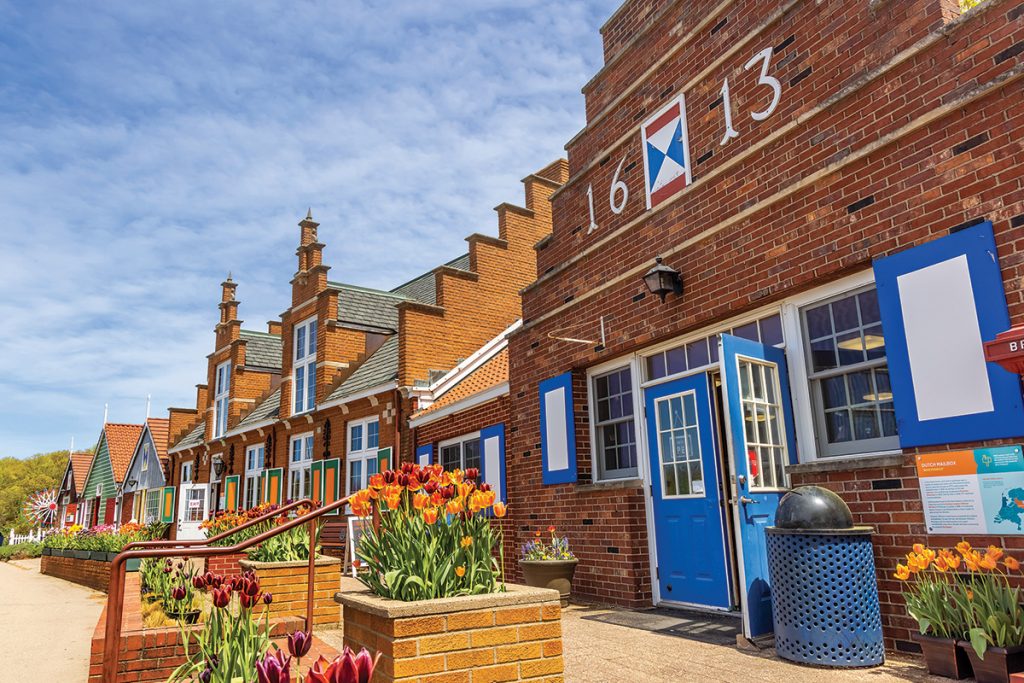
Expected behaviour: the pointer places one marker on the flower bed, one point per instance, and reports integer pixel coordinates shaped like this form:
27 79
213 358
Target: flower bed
436 604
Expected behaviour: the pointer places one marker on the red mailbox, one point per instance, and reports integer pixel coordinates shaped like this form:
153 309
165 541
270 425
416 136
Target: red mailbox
1007 349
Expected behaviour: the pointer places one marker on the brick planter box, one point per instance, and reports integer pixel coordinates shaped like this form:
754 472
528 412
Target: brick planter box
226 565
92 573
513 636
287 581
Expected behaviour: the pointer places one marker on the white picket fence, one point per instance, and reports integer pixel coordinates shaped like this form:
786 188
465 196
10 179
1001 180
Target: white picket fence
32 535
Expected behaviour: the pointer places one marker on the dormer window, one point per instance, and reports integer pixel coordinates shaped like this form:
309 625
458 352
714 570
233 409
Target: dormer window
304 372
222 387
145 458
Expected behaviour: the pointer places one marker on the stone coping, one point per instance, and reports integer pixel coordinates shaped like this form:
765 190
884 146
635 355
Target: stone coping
514 594
847 464
321 561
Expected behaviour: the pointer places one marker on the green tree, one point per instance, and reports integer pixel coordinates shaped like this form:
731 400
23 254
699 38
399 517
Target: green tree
21 478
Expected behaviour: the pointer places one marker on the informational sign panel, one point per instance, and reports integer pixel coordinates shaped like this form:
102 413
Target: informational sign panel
973 492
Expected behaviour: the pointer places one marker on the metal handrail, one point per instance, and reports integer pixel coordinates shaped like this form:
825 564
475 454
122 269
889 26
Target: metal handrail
115 594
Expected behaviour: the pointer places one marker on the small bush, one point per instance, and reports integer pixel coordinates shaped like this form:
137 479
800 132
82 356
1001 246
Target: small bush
20 551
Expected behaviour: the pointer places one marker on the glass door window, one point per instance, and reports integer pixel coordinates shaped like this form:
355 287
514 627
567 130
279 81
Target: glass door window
299 481
766 448
682 469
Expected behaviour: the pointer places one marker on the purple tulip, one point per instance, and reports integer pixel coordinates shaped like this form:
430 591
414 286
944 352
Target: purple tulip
204 677
178 593
267 598
299 643
274 668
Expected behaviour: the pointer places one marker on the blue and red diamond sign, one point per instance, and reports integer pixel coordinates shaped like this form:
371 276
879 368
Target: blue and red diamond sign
666 152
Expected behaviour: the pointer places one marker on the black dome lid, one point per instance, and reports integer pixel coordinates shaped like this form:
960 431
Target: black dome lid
813 507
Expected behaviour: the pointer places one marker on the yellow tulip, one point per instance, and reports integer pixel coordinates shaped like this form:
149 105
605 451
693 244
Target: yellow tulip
500 509
466 541
902 572
460 571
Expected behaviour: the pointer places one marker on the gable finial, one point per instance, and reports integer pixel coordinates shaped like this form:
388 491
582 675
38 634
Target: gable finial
309 214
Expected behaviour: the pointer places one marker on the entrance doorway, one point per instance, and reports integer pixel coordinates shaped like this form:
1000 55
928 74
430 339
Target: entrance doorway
718 443
192 508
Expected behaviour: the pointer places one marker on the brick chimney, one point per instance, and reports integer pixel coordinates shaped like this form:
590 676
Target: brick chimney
229 327
311 277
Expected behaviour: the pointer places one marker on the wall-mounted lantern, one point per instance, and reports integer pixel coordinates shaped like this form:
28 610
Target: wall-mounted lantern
663 280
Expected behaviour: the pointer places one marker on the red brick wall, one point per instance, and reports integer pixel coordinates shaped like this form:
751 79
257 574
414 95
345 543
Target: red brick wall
865 155
91 573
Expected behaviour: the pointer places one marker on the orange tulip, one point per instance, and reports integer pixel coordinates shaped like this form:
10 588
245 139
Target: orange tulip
499 510
393 502
964 547
953 561
454 506
430 516
460 571
940 564
376 481
465 489
420 500
994 552
466 541
902 572
1011 563
919 548
537 534
986 562
971 560
414 483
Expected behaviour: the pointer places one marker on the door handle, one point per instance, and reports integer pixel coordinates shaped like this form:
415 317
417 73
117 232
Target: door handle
746 501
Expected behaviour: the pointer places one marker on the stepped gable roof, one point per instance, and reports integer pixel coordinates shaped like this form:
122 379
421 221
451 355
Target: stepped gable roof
262 349
380 368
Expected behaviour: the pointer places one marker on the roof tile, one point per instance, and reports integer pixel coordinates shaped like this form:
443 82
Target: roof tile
121 442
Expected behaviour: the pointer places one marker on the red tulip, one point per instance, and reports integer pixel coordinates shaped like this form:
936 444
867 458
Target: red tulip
472 473
221 597
346 668
178 593
274 668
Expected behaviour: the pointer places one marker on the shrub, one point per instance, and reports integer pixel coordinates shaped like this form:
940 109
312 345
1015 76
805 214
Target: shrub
289 546
21 551
432 534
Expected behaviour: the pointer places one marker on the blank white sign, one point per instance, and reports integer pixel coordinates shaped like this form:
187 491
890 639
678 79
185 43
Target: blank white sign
556 429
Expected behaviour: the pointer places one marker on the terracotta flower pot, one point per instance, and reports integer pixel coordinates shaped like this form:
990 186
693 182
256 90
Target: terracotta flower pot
998 663
555 574
942 657
189 617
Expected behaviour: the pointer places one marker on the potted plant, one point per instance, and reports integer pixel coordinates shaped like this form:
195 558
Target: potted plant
178 592
992 610
549 564
931 584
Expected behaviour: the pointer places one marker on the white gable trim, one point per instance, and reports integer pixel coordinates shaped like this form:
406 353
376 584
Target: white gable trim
466 403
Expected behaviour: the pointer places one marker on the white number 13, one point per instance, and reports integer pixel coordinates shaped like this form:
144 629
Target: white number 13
765 57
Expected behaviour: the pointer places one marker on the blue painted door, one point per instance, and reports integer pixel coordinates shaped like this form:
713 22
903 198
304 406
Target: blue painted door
687 500
759 416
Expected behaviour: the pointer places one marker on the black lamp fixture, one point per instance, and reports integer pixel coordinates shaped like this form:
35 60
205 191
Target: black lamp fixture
218 467
132 482
662 280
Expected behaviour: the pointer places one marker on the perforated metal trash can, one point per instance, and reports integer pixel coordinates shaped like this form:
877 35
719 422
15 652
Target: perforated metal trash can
825 596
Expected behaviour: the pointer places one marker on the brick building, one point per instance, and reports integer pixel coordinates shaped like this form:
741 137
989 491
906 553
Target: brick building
840 187
350 365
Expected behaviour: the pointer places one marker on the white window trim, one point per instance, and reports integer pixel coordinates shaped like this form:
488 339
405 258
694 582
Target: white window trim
253 472
221 394
462 451
302 465
153 494
363 454
634 362
187 466
305 362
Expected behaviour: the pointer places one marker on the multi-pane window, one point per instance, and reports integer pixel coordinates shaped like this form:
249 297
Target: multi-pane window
361 461
703 352
253 470
222 387
461 454
849 376
682 469
614 427
300 483
152 506
186 472
195 505
760 402
304 364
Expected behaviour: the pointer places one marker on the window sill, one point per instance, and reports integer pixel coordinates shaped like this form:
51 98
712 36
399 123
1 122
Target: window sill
632 483
857 462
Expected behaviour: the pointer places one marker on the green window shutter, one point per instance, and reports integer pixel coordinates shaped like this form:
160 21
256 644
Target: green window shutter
332 482
316 481
232 486
384 459
167 505
273 482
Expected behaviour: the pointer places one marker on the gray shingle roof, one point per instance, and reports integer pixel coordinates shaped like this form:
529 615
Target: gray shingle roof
262 349
193 438
269 409
379 368
369 307
424 288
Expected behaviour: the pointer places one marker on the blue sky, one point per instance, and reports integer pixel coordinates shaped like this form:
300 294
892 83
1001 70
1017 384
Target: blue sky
146 149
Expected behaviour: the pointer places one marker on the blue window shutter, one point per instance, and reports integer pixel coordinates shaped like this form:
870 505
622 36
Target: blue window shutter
939 302
492 447
424 454
557 431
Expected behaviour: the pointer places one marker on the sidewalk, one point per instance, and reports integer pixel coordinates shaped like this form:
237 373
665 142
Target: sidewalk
48 624
646 651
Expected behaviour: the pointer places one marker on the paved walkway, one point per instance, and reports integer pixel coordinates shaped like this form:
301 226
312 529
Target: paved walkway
596 650
47 624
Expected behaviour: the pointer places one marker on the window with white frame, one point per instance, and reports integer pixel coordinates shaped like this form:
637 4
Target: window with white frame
299 482
461 453
304 367
253 470
145 458
152 506
703 352
361 460
848 375
186 472
222 387
614 426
